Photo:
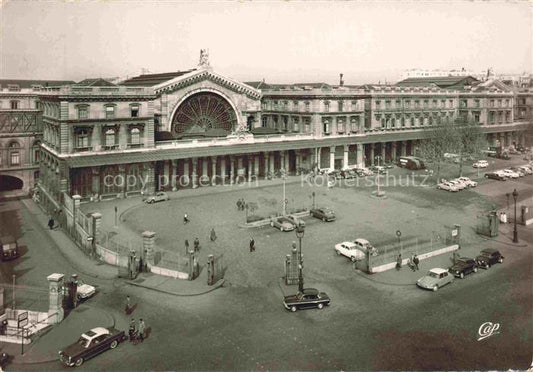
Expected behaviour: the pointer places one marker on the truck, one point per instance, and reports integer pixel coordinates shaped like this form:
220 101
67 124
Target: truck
9 248
411 162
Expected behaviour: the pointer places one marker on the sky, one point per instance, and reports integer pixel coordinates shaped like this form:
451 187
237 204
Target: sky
278 41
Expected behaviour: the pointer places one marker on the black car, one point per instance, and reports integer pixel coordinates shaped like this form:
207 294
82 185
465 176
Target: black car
324 214
463 266
309 298
495 176
488 257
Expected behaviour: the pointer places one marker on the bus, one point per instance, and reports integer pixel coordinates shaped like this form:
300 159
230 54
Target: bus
411 162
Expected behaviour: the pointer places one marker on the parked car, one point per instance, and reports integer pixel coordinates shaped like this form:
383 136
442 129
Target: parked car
434 279
364 245
349 249
521 172
467 181
309 298
350 173
488 257
481 164
509 173
157 197
336 173
462 267
378 169
282 223
362 172
84 290
90 344
324 214
325 170
9 248
388 165
458 184
527 169
447 186
496 176
296 220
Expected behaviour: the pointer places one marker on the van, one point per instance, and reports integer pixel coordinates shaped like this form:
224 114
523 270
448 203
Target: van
10 248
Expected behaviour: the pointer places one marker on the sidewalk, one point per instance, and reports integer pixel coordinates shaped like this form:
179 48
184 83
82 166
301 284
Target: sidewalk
44 347
70 250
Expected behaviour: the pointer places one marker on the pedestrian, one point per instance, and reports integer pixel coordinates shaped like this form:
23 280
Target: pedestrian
252 245
504 217
239 204
142 328
243 204
51 223
132 329
213 235
128 304
186 246
411 264
196 245
399 262
416 261
186 219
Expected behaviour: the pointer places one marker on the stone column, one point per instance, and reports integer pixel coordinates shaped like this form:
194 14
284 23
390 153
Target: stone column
75 208
345 158
250 167
240 167
148 245
265 164
403 148
256 166
213 170
332 157
286 163
2 307
123 187
174 175
232 169
383 151
297 162
166 172
318 157
194 175
223 169
55 309
360 152
186 171
271 162
394 151
97 224
372 155
95 171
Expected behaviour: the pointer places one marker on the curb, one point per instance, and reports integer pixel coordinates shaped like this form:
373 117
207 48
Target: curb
386 283
217 285
110 317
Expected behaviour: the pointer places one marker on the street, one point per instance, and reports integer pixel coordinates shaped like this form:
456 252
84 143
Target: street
375 322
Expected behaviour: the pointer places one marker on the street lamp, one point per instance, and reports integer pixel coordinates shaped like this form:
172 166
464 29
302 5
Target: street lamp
300 230
515 232
284 177
399 235
313 194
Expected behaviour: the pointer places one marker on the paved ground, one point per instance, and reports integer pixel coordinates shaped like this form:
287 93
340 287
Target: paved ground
378 322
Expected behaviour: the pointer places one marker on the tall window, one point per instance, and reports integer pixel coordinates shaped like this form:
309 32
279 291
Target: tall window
83 112
355 124
264 121
110 137
307 106
14 154
387 104
134 111
326 106
378 104
354 105
412 122
14 105
295 124
135 136
295 105
109 112
325 126
36 152
82 138
341 104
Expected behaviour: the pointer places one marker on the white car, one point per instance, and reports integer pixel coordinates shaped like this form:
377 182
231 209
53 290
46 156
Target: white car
447 186
509 173
157 197
526 169
349 249
459 184
467 181
481 164
85 290
364 245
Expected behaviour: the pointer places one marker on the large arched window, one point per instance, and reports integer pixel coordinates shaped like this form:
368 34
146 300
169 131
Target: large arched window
110 138
135 136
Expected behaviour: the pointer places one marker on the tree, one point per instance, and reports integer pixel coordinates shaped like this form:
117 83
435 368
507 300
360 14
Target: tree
471 141
440 140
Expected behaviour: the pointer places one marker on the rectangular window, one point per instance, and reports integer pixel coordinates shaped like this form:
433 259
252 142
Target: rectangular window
14 105
110 112
417 104
387 104
134 111
82 139
275 105
15 158
341 106
326 106
397 104
378 104
295 105
295 124
491 103
83 112
265 105
450 103
110 138
307 106
354 105
264 121
407 104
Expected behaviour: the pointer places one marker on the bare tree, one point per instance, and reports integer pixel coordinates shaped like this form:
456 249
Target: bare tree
440 140
470 141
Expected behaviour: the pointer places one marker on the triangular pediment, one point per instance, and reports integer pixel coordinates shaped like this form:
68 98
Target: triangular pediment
203 74
493 85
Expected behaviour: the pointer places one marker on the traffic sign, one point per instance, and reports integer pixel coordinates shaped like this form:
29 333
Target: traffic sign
22 319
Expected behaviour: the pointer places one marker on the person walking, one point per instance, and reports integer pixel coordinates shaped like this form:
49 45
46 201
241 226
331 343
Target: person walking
186 219
399 262
132 329
416 261
128 305
196 245
142 329
252 245
213 236
51 223
239 204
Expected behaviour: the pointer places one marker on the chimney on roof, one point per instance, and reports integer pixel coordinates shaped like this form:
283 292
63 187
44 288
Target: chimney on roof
341 82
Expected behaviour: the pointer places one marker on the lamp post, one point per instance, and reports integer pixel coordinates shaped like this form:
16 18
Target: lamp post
399 235
284 177
300 230
515 232
116 218
313 194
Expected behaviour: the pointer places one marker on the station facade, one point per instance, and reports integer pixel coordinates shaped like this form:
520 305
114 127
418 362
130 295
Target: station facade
196 128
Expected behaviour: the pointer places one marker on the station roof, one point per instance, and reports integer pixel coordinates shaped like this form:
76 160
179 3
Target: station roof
149 80
447 82
32 83
98 82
